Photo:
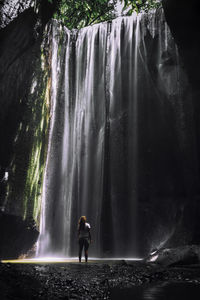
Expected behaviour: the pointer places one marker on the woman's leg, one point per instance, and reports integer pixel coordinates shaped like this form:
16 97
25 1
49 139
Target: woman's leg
81 243
86 246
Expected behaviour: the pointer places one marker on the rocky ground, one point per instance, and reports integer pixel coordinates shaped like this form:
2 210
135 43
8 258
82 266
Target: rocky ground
94 280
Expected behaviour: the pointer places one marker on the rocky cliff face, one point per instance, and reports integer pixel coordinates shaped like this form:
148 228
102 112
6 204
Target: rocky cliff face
20 59
183 20
24 92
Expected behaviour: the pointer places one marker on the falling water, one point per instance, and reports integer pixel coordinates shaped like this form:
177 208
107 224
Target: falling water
43 242
109 87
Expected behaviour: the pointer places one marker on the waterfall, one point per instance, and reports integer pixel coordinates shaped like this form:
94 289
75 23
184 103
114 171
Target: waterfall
113 92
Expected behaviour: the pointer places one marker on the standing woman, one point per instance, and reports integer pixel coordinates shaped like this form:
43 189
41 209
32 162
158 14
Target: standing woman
84 237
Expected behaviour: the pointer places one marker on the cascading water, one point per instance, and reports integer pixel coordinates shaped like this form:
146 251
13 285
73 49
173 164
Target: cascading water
112 84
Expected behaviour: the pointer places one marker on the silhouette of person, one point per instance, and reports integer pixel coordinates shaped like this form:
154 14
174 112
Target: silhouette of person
84 237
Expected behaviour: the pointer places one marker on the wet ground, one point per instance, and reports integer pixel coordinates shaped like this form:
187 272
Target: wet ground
99 280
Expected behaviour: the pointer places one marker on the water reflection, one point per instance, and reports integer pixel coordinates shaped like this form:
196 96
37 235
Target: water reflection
164 291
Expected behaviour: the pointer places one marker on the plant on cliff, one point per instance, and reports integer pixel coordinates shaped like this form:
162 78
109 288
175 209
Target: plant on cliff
140 5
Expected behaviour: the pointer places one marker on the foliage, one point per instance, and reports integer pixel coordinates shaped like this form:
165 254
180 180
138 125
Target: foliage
79 13
140 5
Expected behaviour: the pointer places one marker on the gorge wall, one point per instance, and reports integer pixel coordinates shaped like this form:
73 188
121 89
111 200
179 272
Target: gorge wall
23 124
157 135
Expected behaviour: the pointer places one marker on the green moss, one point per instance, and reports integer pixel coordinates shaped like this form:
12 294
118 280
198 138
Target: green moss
33 187
61 42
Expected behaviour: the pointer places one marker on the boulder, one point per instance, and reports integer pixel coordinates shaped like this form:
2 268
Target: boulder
17 236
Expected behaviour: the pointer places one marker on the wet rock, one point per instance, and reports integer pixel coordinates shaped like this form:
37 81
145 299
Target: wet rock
77 282
9 10
182 255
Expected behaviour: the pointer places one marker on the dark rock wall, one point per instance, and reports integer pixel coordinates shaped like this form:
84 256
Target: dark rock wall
183 20
24 92
20 54
24 115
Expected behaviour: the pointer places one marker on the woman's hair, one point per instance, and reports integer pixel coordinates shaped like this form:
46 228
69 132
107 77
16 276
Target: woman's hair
81 222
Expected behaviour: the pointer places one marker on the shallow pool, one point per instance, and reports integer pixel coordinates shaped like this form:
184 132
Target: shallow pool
163 291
